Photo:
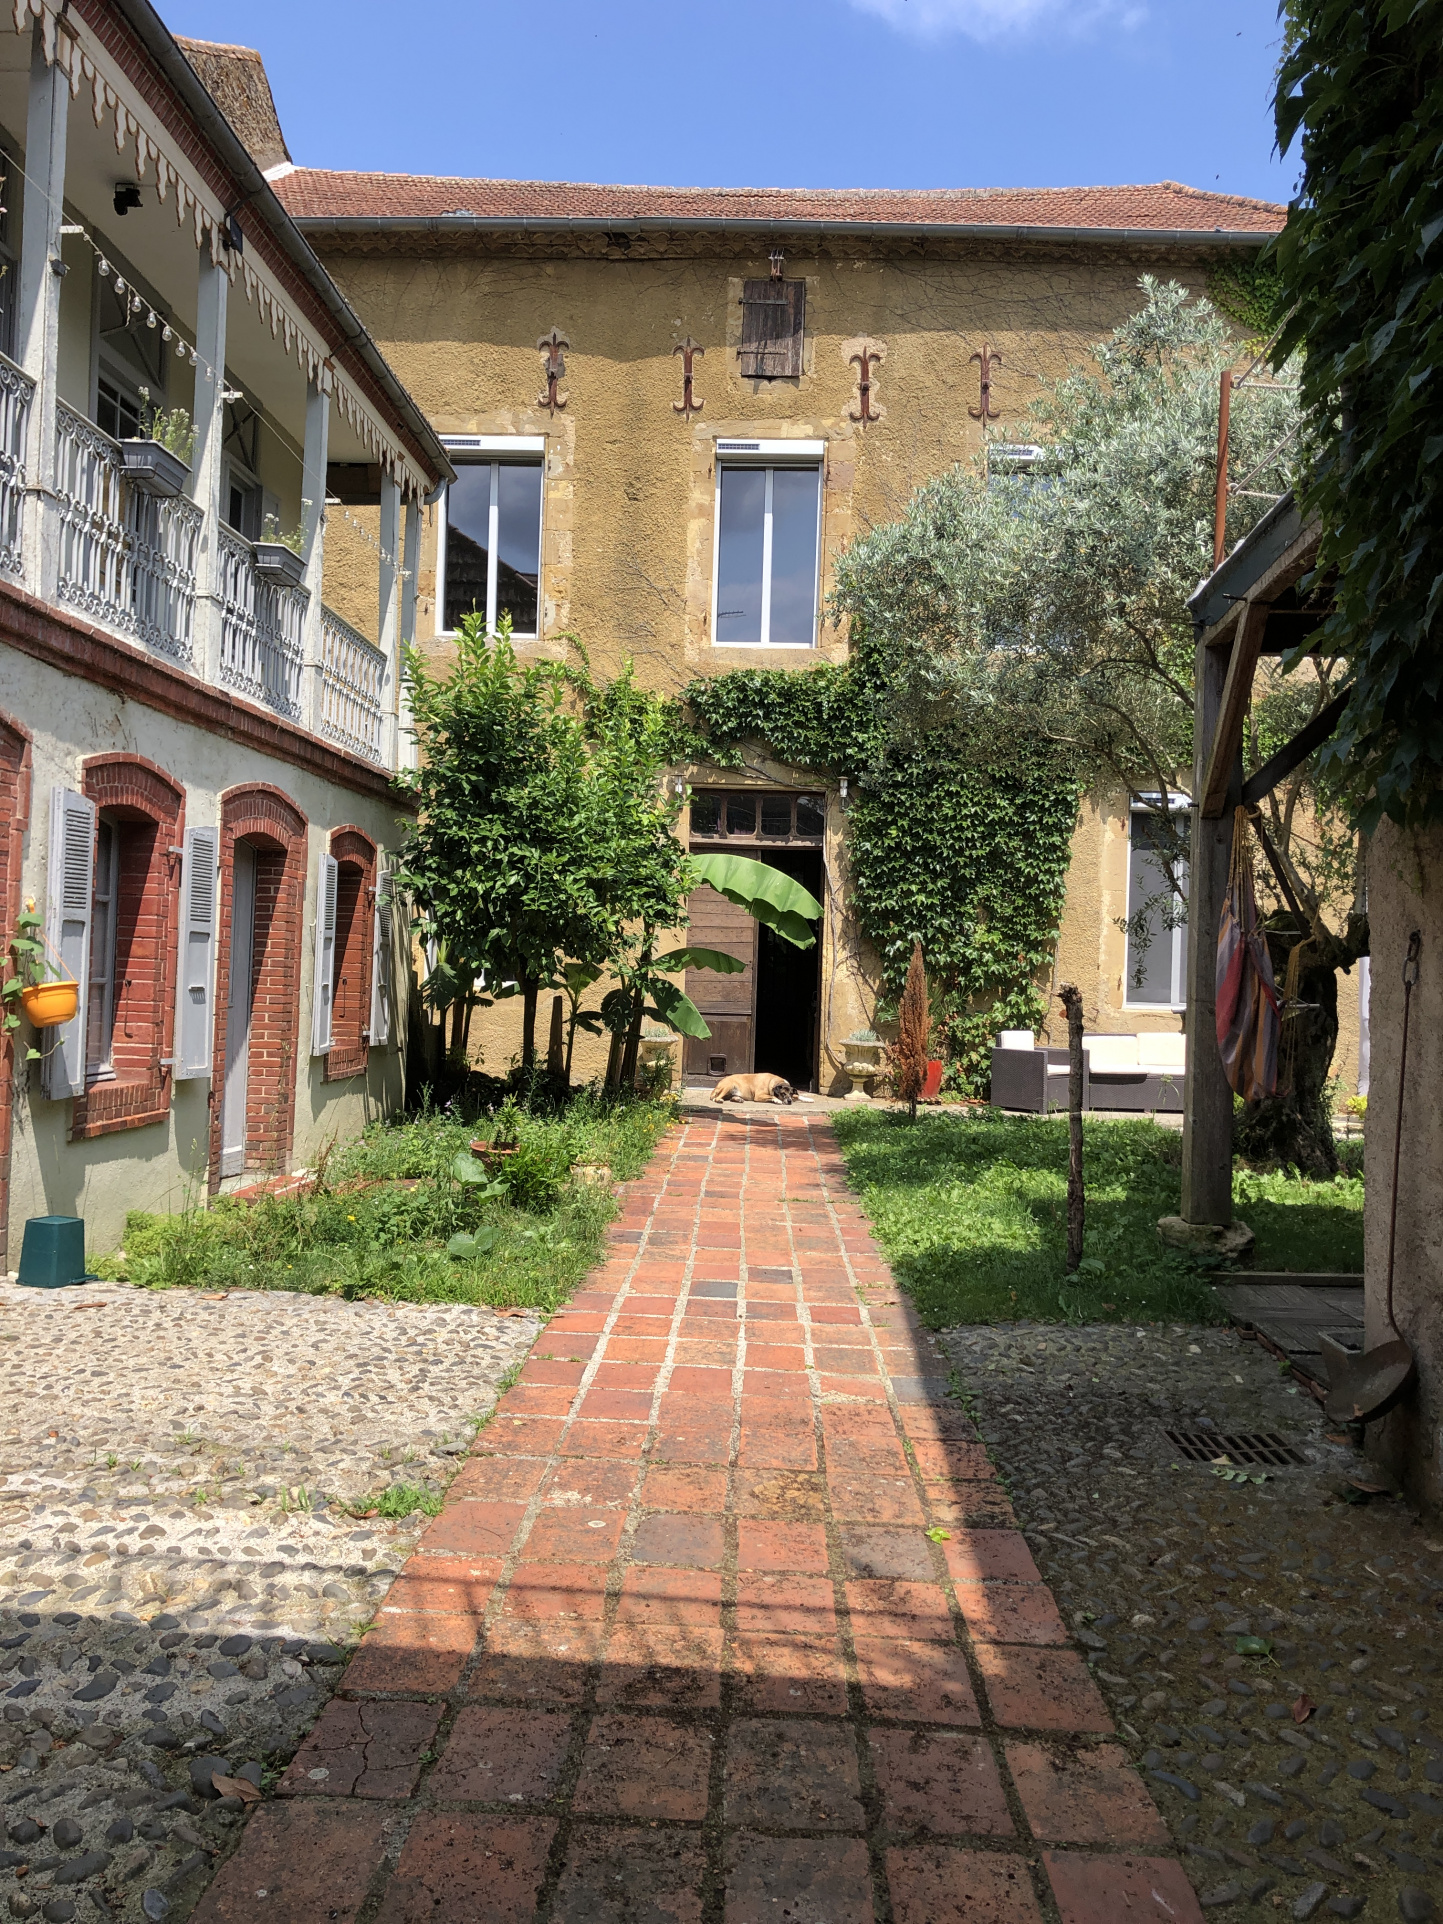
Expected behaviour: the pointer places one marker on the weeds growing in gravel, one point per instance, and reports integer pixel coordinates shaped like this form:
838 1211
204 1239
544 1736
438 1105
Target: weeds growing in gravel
972 1213
385 1206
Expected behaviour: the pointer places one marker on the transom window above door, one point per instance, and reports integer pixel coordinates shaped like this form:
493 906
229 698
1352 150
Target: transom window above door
756 815
768 540
490 533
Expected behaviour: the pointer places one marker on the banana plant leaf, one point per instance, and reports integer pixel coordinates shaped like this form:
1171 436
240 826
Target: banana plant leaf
764 892
678 1011
716 959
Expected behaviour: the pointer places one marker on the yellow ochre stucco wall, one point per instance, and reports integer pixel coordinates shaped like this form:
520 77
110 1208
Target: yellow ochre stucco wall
628 510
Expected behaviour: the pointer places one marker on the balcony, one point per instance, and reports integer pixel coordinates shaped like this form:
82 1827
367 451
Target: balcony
127 560
154 292
353 689
17 391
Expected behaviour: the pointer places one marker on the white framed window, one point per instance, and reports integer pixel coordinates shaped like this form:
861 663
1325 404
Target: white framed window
100 1016
489 540
768 522
1155 976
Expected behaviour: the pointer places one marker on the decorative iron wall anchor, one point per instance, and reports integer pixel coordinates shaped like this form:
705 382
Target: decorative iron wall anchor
554 369
986 360
866 356
691 402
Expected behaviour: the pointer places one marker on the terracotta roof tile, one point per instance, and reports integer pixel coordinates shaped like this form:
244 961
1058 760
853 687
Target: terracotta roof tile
317 194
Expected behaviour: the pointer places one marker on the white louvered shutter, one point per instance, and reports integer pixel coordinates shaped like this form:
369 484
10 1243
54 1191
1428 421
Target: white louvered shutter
382 952
70 888
195 969
327 877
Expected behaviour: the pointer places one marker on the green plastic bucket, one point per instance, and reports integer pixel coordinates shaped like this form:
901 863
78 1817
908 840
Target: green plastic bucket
52 1255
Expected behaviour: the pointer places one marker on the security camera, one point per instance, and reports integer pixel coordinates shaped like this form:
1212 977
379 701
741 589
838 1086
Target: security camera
127 195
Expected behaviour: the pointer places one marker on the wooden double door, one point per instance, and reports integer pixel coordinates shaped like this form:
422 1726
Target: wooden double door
768 1018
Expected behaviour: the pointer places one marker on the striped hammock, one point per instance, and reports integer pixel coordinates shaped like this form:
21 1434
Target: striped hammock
1248 1016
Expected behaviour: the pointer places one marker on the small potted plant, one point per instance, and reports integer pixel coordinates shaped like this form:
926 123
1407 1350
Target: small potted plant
278 556
37 984
505 1140
157 460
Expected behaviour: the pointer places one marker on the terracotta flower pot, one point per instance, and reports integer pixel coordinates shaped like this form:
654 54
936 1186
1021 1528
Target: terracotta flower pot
49 1004
490 1158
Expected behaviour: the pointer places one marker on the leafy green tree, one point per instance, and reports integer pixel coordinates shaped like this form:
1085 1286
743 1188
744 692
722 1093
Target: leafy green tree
544 850
1040 599
1361 265
498 862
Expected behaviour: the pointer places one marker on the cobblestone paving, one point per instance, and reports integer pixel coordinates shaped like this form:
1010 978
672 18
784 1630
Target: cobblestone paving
1161 1566
181 1572
724 1622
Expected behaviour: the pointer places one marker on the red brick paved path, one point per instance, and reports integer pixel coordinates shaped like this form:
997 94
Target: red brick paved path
679 1647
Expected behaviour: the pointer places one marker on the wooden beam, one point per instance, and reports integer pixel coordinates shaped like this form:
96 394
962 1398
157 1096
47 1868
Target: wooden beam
1277 768
1207 1128
1221 753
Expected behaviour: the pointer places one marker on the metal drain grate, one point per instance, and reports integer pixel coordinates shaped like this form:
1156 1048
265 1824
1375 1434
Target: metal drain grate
1206 1446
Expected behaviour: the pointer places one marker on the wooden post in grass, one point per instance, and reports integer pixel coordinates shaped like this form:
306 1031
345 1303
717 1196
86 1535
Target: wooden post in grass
1071 999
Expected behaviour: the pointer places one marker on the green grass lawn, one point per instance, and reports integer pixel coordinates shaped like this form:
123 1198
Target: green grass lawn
387 1204
971 1210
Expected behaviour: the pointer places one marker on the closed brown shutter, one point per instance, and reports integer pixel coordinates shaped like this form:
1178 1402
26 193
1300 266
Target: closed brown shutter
773 325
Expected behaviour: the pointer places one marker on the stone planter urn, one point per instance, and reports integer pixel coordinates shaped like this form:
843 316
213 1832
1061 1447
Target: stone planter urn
657 1045
862 1060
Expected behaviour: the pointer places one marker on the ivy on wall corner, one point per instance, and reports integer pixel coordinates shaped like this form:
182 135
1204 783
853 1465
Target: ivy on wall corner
966 857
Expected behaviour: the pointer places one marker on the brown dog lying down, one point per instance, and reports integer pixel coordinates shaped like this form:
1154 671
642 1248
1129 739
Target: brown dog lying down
754 1089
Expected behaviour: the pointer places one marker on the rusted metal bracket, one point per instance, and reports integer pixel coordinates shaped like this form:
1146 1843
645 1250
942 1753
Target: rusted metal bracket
986 361
691 402
554 369
865 355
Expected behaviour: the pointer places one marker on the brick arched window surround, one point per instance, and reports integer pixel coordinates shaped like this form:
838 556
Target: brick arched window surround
14 820
144 809
269 820
355 856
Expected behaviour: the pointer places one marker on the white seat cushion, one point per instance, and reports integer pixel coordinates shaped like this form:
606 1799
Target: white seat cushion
1016 1039
1162 1055
1111 1054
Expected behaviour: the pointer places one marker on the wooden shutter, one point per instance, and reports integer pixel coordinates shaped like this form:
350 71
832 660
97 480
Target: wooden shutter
195 967
773 328
323 989
382 952
68 910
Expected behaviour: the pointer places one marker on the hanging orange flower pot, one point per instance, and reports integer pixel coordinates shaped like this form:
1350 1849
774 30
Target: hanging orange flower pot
48 1005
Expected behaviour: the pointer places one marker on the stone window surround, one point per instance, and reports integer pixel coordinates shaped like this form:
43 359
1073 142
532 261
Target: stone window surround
266 816
135 791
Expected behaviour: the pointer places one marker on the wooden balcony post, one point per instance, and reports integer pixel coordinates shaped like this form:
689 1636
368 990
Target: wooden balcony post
388 627
313 530
411 563
42 272
207 473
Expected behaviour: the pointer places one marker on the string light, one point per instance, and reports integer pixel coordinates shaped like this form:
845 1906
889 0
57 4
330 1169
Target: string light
134 304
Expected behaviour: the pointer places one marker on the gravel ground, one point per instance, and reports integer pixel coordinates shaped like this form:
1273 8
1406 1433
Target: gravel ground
181 1565
1161 1566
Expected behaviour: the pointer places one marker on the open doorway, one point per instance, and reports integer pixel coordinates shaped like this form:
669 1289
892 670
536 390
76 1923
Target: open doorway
766 1018
789 983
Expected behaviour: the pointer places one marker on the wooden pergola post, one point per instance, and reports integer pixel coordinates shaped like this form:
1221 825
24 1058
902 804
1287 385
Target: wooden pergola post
1207 1124
1232 610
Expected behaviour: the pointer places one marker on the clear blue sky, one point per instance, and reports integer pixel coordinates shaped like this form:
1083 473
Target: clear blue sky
773 93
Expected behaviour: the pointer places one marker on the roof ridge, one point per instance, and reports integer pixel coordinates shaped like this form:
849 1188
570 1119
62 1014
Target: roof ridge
359 174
